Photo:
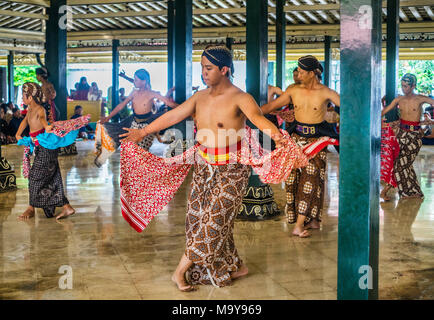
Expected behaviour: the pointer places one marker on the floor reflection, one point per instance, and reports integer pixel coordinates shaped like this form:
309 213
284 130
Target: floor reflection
110 260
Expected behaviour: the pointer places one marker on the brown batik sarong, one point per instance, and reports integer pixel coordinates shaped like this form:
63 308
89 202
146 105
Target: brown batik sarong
305 186
216 194
410 143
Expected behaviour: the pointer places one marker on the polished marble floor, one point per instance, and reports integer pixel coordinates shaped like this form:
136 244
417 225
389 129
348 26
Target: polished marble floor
109 260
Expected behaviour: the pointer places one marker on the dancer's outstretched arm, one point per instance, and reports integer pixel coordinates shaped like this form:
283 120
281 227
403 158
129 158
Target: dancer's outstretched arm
167 101
252 111
168 119
283 100
392 105
118 108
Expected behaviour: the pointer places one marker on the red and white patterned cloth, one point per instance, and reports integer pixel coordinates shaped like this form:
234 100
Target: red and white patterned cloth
148 182
62 128
389 152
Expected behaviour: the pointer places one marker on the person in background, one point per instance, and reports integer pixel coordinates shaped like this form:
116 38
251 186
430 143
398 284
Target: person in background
15 122
82 89
86 132
94 93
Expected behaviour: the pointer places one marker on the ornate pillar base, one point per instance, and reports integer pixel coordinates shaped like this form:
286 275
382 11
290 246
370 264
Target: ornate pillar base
8 181
258 203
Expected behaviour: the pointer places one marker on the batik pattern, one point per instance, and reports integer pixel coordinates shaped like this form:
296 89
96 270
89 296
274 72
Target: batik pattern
216 194
107 139
389 152
45 182
148 182
410 143
305 186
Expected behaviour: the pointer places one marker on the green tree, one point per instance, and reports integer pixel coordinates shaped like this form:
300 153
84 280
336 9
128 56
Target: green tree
424 72
23 74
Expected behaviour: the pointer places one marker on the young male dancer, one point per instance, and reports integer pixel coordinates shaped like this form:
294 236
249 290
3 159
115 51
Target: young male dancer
218 185
305 186
409 137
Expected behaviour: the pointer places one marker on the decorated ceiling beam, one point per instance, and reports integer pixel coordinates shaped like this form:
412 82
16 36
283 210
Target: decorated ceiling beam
90 2
21 34
43 3
23 14
210 11
317 29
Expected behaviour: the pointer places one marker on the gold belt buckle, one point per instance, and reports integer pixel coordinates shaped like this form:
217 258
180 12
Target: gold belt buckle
412 127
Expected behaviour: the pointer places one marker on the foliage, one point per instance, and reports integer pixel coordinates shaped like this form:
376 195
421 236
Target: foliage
424 72
23 74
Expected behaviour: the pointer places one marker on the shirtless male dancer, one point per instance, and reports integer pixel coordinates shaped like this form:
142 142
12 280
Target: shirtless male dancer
305 186
409 137
219 109
142 98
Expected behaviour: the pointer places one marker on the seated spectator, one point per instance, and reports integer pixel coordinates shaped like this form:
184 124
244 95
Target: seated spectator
82 89
7 107
4 127
122 96
85 132
24 111
73 92
94 93
15 121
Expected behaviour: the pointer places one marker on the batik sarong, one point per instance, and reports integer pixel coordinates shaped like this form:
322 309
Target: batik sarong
45 182
107 139
389 152
148 182
305 186
63 134
410 142
216 194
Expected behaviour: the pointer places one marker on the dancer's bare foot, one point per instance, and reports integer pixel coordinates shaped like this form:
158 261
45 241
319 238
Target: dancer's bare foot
67 211
29 213
313 224
242 271
300 232
384 196
181 283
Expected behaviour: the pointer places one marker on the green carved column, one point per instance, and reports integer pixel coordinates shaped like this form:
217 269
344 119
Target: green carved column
280 44
55 56
183 39
327 60
359 163
11 87
392 57
258 202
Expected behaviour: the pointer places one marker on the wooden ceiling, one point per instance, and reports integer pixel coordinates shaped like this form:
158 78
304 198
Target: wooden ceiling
142 24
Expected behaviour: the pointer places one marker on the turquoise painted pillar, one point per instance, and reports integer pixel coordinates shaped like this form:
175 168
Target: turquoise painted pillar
327 60
183 55
55 56
359 164
258 202
115 72
229 42
392 56
280 44
170 43
11 88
